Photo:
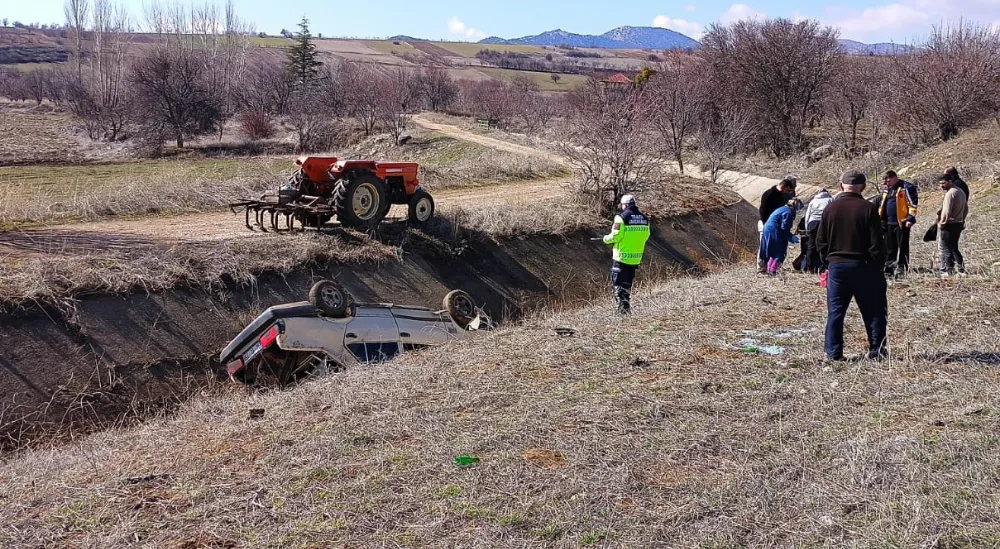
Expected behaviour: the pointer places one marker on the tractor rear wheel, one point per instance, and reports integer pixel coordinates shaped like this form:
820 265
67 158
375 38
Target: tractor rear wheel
421 207
361 200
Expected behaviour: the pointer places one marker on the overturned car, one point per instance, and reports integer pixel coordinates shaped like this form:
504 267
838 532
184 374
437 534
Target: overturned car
330 332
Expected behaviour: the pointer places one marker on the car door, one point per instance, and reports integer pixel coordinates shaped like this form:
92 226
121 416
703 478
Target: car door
420 327
372 335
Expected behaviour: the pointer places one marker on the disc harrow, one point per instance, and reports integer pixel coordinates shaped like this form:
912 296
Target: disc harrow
359 193
266 214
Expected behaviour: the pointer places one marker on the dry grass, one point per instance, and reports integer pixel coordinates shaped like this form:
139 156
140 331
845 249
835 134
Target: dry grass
501 221
470 49
541 79
656 430
153 267
30 134
82 193
446 162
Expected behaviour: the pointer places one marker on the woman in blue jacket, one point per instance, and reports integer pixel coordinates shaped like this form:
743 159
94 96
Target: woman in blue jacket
777 234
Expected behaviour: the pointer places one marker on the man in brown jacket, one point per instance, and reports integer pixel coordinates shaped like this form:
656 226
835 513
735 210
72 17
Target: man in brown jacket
951 223
851 243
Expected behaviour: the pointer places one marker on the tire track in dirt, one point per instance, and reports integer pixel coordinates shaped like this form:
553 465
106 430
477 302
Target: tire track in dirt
486 141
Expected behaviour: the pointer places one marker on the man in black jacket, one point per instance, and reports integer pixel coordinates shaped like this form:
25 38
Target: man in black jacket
772 199
850 241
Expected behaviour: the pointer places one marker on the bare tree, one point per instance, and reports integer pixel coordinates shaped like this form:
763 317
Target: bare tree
173 95
265 86
364 100
314 108
951 81
722 133
610 141
36 85
76 12
109 63
310 116
8 79
493 99
398 94
859 82
678 102
777 67
437 88
538 111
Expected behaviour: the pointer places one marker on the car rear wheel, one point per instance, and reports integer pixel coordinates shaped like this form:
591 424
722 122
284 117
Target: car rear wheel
330 297
461 307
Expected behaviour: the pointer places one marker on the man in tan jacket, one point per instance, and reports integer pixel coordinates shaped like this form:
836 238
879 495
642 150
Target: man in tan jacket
951 223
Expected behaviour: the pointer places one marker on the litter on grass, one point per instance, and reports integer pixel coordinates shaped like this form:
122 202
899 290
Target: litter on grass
466 461
783 334
754 346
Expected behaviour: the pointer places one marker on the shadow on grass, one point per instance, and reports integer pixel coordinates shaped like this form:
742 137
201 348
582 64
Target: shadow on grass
990 359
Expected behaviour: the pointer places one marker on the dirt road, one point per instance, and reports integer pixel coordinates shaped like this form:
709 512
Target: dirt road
750 187
486 141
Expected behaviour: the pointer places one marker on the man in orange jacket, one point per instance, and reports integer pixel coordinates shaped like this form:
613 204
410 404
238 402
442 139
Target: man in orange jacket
898 209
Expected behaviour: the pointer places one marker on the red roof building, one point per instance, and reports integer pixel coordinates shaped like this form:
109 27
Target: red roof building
617 79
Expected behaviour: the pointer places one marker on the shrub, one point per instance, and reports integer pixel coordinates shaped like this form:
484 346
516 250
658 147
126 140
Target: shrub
256 125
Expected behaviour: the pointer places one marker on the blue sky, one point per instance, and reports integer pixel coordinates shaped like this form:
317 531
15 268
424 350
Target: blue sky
899 20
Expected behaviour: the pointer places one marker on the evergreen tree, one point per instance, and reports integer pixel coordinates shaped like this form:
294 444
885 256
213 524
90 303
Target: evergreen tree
302 63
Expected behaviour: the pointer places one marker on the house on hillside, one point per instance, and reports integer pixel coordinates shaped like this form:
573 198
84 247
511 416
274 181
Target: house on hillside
617 79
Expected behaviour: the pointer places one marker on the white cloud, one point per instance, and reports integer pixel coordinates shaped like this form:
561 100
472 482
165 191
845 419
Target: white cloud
457 27
739 12
904 21
689 28
881 23
690 8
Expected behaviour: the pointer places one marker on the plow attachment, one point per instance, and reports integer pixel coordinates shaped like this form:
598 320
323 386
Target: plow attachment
267 214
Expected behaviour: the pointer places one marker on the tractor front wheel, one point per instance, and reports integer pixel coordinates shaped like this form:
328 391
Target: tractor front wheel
421 207
361 200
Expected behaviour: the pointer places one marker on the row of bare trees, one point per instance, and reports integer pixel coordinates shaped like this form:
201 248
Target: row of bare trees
761 85
792 76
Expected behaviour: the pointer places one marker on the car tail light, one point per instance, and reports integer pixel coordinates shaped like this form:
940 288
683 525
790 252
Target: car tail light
269 336
234 366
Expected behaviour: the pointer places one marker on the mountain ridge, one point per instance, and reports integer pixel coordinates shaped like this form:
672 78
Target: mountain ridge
625 37
656 38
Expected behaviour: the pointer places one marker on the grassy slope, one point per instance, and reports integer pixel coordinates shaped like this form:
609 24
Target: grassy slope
542 79
974 151
470 49
659 429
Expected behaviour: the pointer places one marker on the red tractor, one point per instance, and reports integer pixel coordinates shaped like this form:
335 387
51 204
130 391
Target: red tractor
358 192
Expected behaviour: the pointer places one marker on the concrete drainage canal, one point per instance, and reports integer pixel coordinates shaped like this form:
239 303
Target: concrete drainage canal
99 361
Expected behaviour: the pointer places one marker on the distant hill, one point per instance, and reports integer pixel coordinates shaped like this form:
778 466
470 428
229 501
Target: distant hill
655 38
643 38
859 48
404 38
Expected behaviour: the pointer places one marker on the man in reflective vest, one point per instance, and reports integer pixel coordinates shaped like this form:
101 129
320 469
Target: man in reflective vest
629 234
